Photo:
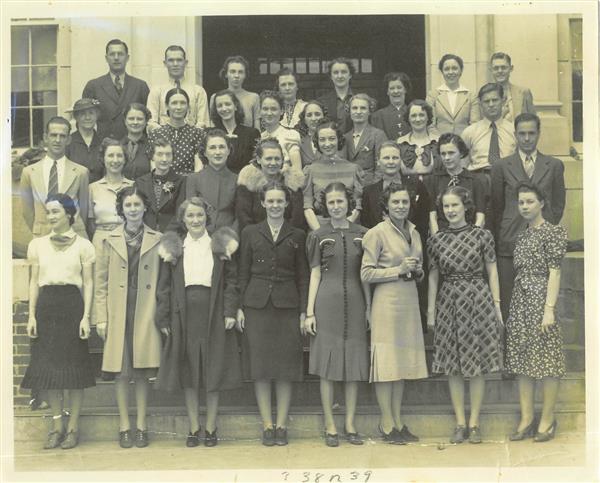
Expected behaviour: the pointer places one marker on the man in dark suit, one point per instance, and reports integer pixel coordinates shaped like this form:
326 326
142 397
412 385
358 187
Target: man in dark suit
517 99
337 101
527 164
115 91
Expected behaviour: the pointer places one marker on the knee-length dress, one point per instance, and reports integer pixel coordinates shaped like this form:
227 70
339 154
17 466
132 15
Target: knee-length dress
339 350
528 351
397 346
468 335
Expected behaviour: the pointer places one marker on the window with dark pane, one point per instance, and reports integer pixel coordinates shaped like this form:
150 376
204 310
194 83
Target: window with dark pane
577 78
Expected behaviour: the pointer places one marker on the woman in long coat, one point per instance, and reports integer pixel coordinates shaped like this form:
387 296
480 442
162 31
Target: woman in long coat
201 349
125 300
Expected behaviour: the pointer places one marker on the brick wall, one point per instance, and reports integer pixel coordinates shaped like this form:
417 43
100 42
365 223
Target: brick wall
20 352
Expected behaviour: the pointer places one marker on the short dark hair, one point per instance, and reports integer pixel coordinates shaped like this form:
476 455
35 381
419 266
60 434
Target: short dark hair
529 187
156 142
341 60
66 202
301 126
402 77
502 56
138 106
239 110
372 103
130 191
324 124
106 142
116 42
423 105
176 90
451 138
392 188
196 201
446 57
266 143
58 120
526 117
275 185
268 94
339 187
491 87
214 132
281 73
466 198
231 59
175 47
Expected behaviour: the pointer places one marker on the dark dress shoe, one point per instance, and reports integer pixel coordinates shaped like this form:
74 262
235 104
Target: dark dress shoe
125 439
459 435
193 439
332 440
407 435
210 439
528 432
54 439
141 438
393 437
353 438
281 436
268 437
475 435
546 435
71 440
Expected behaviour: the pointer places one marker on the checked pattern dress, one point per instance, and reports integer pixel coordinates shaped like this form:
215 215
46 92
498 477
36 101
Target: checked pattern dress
468 336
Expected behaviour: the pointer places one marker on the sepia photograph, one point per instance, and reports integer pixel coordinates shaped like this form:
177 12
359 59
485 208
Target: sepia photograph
300 241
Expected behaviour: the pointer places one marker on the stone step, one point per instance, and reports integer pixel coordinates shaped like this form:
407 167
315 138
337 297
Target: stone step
427 391
427 421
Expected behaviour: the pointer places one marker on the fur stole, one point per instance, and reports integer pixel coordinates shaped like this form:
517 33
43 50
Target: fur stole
252 177
224 242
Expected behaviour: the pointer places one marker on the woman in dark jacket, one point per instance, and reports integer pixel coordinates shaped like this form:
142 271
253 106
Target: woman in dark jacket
197 302
135 143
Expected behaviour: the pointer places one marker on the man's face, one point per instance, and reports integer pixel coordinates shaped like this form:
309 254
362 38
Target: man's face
175 62
527 134
57 139
501 70
116 58
491 105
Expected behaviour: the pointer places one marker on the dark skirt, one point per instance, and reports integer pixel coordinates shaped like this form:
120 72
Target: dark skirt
194 364
272 344
59 358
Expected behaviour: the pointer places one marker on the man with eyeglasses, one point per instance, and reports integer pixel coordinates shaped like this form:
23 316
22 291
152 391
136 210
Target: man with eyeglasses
115 91
176 63
517 99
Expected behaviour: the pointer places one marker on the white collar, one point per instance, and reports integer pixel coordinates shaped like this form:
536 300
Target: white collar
70 233
188 240
173 81
49 161
460 88
533 155
121 77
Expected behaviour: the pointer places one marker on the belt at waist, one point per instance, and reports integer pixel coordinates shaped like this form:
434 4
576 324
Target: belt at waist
531 274
273 279
451 277
108 226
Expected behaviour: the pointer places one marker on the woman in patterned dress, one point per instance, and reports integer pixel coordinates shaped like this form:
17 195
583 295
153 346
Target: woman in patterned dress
465 311
534 340
338 348
286 84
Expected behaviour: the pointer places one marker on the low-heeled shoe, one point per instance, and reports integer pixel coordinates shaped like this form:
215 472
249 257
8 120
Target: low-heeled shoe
528 432
193 439
54 439
546 435
268 437
125 439
407 435
475 435
141 438
281 438
210 439
459 435
332 440
71 440
353 438
393 437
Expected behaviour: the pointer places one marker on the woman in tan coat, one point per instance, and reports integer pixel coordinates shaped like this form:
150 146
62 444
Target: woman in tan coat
125 297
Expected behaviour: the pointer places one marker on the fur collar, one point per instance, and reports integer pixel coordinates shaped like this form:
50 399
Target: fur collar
171 244
252 177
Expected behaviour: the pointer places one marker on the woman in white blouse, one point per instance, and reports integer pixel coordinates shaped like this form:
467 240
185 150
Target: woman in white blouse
60 299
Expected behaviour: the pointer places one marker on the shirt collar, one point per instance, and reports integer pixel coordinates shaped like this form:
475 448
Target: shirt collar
49 161
121 77
533 155
172 81
188 240
70 233
445 88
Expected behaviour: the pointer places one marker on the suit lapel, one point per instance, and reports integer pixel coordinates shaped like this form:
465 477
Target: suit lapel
265 231
286 231
37 181
127 87
149 239
461 100
145 185
364 137
69 176
443 100
540 168
515 166
117 240
109 88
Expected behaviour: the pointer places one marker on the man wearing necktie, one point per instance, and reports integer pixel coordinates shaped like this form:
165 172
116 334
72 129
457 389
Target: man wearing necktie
115 91
527 164
517 99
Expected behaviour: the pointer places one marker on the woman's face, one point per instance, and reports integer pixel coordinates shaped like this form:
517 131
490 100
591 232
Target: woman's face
133 208
453 208
396 92
340 75
399 206
417 118
163 158
114 159
57 216
450 156
271 161
178 106
135 121
389 160
274 204
87 118
529 205
451 71
359 111
194 219
337 205
236 74
288 88
328 141
217 151
225 107
270 112
312 115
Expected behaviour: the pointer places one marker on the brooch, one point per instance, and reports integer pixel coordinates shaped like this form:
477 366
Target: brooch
168 186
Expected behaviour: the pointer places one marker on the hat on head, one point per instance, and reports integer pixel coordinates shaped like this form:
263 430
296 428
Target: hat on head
83 104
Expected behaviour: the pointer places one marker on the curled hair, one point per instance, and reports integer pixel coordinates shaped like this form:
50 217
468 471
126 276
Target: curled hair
501 56
338 187
116 42
239 110
66 202
372 103
466 198
423 105
301 126
491 87
281 73
130 191
388 144
267 94
527 117
266 143
106 142
394 187
529 187
156 142
325 124
402 77
196 201
58 120
341 60
138 107
275 185
213 133
451 138
234 59
447 57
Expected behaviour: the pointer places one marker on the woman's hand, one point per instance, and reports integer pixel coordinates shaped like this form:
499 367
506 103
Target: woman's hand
32 327
84 328
240 320
368 317
230 323
498 313
101 329
548 320
166 331
409 264
430 319
310 325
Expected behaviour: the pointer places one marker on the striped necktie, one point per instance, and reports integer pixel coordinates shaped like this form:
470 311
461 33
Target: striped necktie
118 85
53 180
494 152
529 166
